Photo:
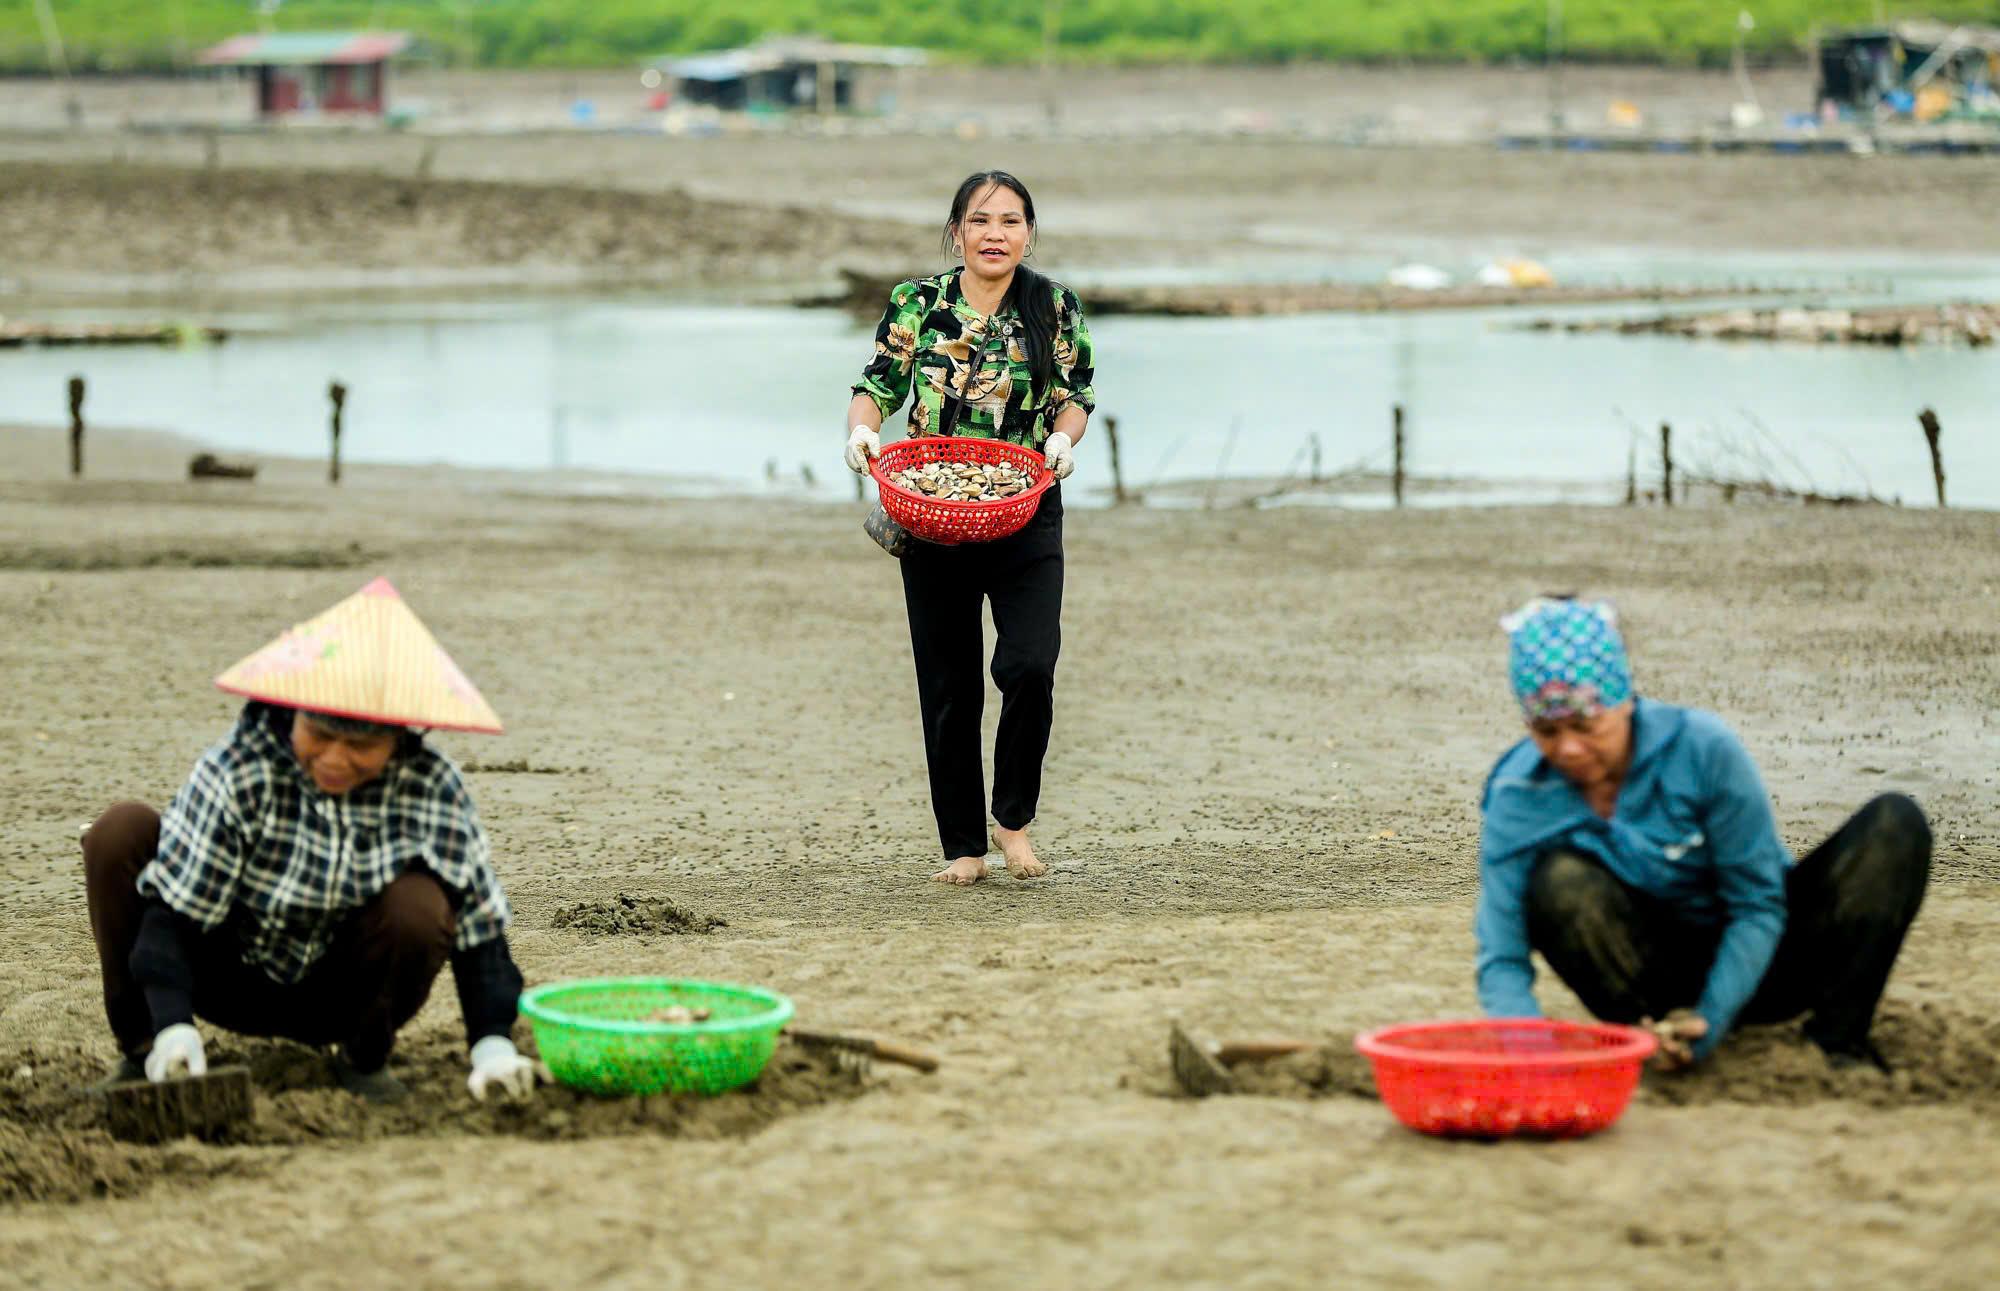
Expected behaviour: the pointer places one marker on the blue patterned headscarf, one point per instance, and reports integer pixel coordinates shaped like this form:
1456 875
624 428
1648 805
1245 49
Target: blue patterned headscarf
1566 659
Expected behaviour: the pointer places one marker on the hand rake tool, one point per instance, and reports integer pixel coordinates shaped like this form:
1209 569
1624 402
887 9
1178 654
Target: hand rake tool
1201 1066
140 1111
886 1050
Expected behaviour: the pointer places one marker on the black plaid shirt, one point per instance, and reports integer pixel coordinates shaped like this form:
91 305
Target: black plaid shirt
250 842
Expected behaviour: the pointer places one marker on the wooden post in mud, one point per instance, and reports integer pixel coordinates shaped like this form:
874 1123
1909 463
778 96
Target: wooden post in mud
338 393
1929 421
1117 477
1051 31
1631 472
76 428
1396 480
1666 463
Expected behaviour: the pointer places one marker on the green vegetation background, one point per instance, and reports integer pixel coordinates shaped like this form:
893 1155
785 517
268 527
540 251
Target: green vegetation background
121 35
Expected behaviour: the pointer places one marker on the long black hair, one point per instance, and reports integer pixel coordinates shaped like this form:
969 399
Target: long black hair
1029 294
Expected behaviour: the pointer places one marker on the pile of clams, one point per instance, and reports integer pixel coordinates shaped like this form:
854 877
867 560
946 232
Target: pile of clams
964 481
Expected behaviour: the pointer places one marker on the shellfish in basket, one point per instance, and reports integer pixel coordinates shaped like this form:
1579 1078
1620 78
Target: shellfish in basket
964 481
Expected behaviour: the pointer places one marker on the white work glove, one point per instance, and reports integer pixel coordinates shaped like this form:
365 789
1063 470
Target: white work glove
862 444
176 1052
497 1064
1057 456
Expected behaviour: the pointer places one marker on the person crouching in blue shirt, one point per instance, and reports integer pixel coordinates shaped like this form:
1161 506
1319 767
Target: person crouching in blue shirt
1631 842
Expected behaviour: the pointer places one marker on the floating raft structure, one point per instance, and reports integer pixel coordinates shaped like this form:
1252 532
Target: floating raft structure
865 293
1898 325
1952 139
19 332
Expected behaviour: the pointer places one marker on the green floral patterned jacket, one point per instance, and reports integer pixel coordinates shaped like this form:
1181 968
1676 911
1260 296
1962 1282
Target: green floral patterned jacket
929 337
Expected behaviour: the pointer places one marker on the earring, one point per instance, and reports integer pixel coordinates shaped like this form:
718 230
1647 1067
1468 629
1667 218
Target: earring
958 248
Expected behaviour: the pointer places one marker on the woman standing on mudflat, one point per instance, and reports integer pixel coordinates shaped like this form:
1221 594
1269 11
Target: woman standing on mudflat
992 349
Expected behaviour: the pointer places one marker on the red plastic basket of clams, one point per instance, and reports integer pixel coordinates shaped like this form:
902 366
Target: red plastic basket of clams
950 489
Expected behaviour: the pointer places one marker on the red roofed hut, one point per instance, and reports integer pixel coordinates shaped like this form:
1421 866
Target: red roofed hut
335 71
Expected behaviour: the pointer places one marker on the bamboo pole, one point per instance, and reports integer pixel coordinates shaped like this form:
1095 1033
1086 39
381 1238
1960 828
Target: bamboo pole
52 41
1666 463
338 393
1929 421
1396 481
1552 40
1117 476
1051 33
76 427
1222 465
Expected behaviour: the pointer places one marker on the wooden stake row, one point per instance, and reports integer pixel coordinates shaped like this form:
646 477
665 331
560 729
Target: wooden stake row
337 392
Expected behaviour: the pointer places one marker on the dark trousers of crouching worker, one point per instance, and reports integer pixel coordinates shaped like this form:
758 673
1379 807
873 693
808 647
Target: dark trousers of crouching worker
943 587
370 981
1628 956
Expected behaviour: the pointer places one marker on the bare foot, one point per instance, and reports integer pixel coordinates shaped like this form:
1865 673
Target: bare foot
965 871
1020 854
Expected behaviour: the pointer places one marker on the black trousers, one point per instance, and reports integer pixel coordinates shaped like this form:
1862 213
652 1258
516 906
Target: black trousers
371 980
1628 956
943 588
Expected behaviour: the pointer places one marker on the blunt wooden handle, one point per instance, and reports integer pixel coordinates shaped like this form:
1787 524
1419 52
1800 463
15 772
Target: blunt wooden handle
1258 1050
889 1051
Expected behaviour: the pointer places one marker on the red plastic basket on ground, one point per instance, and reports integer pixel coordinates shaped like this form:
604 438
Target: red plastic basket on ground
946 522
1497 1077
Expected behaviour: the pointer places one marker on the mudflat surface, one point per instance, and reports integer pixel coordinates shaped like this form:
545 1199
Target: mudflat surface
1148 172
1260 814
1272 727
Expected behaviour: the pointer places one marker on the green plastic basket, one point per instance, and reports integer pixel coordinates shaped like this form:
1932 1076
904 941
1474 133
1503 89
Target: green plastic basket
594 1035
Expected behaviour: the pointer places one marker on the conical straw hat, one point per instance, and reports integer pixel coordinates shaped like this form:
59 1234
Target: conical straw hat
367 657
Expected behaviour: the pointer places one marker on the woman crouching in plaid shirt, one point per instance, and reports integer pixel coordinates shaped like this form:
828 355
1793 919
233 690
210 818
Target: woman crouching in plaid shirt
317 869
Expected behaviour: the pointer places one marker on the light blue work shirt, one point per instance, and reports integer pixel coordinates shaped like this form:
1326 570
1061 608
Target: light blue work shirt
1692 827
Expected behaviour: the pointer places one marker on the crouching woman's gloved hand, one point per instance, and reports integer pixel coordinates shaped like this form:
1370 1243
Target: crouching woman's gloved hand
497 1064
1678 1032
1056 455
176 1052
862 444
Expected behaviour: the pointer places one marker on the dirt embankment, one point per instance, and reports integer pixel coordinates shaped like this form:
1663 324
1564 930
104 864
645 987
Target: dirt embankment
255 210
96 220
